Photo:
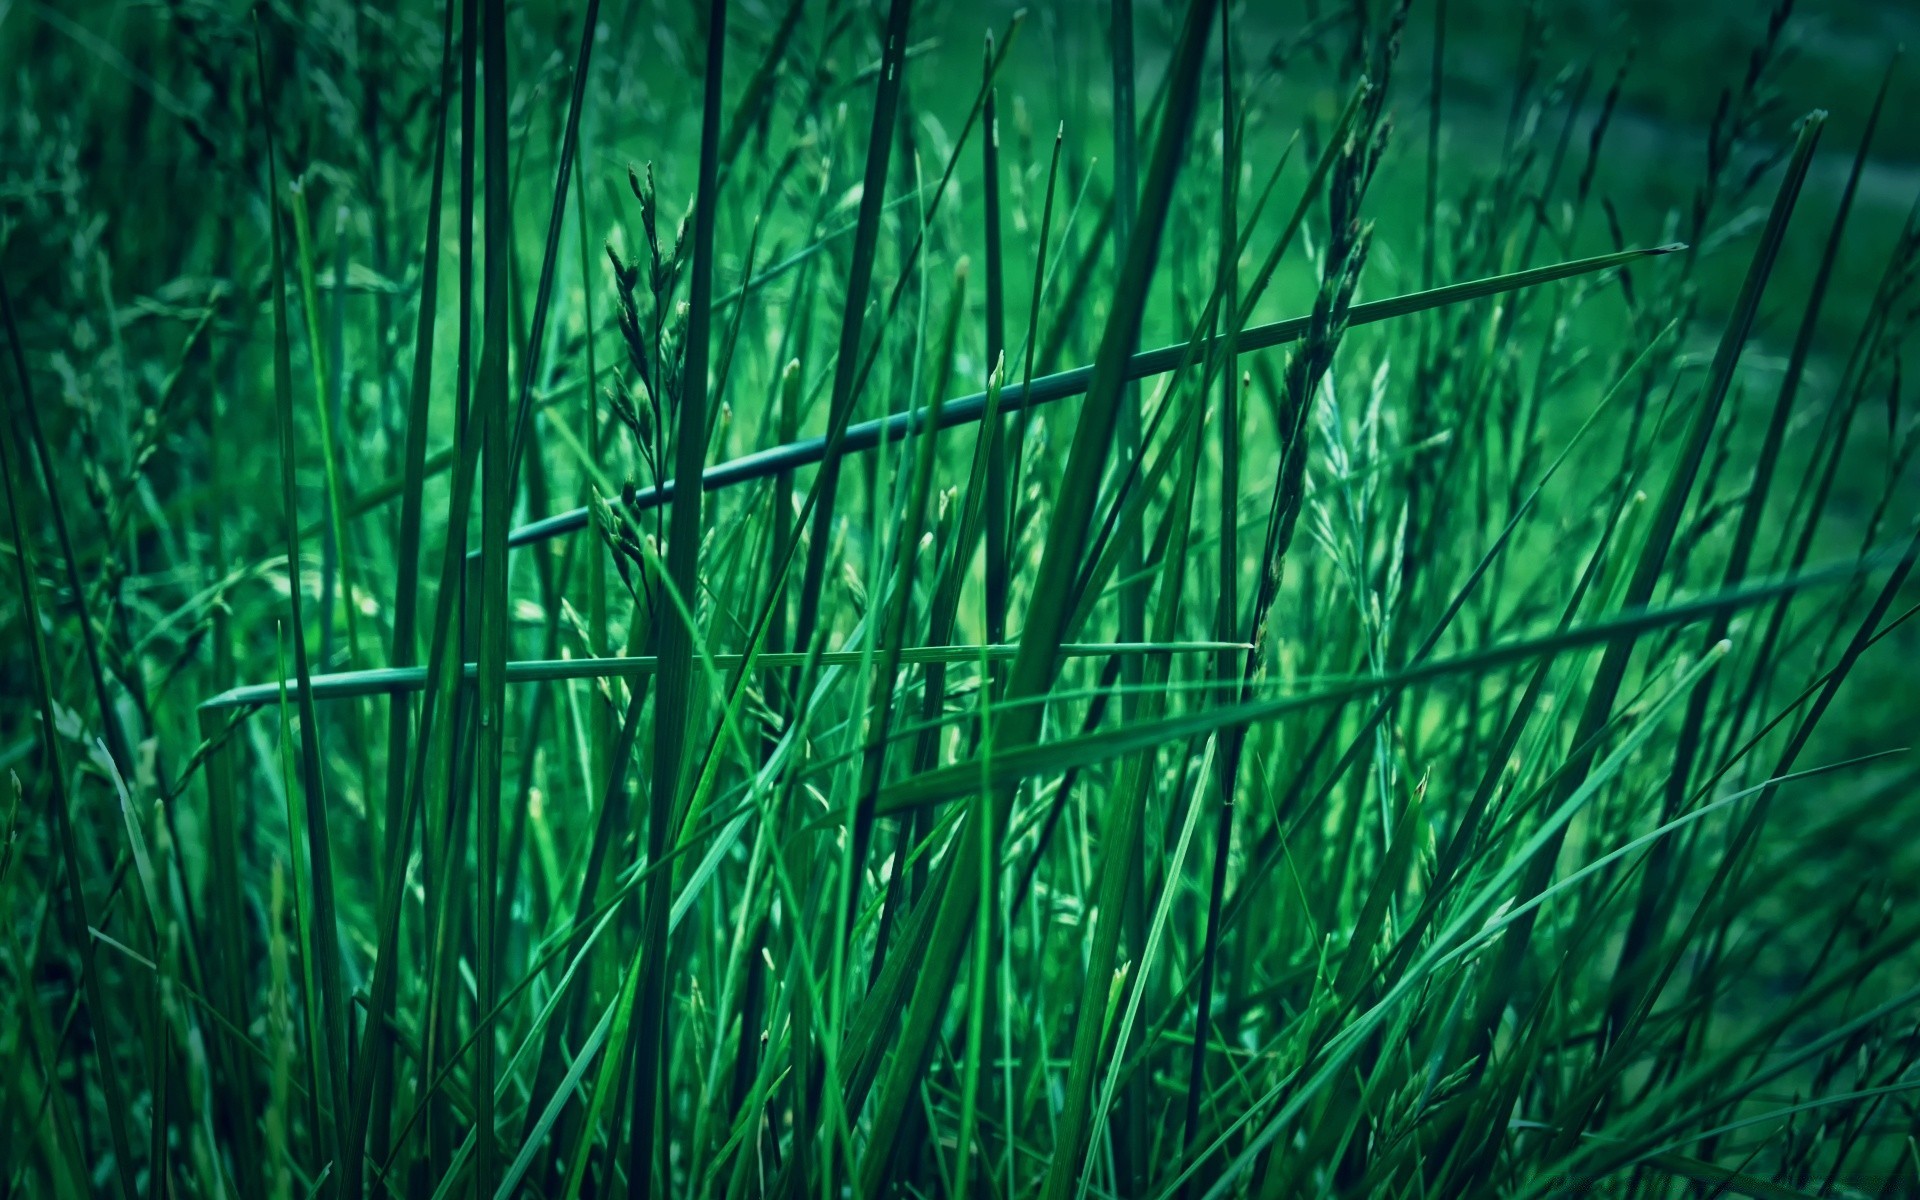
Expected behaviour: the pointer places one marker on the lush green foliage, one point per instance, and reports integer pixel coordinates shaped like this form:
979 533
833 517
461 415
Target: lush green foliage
1432 727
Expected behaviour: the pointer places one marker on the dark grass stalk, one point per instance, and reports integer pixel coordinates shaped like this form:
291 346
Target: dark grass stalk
601 731
494 634
1130 1147
976 1000
1227 606
114 742
888 970
1355 155
371 1114
440 736
336 352
227 921
756 101
1822 469
1127 801
1013 764
436 782
332 1005
1001 500
906 292
1647 925
1134 486
1436 94
599 721
834 442
609 816
781 542
1078 285
859 285
1305 370
336 550
470 35
1033 670
942 620
1743 837
643 666
519 455
1067 384
784 402
71 908
836 431
376 164
153 868
675 685
1598 708
1012 539
556 222
893 640
66 1160
112 725
551 581
1126 199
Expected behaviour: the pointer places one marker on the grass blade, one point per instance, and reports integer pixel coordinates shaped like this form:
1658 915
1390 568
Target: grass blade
1067 384
372 1093
74 914
1033 669
675 698
496 499
332 1035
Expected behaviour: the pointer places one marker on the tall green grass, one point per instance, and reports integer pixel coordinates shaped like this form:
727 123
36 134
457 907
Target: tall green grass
1102 620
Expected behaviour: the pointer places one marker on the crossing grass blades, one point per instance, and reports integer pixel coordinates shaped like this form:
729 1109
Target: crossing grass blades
888 651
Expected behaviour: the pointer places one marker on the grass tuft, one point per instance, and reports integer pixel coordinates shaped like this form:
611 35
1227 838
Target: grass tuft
742 677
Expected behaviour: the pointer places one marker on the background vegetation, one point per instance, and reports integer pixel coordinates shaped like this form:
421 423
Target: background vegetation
1436 728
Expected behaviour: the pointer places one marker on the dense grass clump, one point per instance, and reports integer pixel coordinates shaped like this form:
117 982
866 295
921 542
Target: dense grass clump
759 598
